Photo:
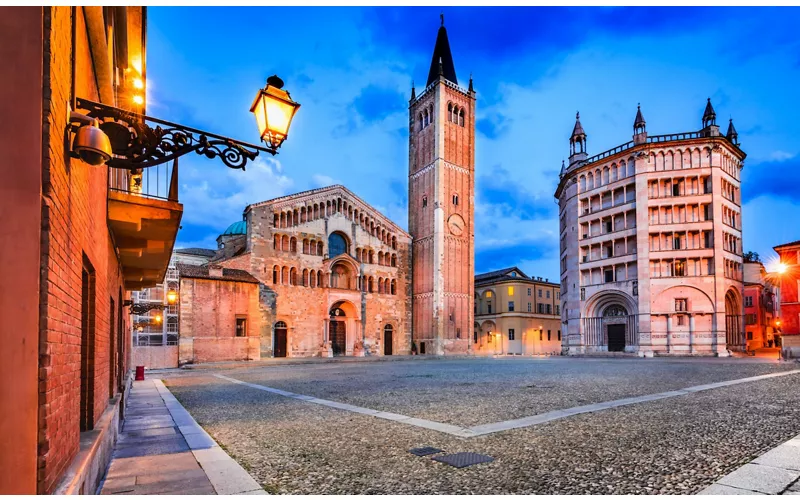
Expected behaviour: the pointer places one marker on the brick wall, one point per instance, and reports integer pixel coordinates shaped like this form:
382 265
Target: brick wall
208 313
74 231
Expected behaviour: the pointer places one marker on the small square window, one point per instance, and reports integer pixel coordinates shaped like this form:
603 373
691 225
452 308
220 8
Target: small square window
681 305
511 291
510 334
511 306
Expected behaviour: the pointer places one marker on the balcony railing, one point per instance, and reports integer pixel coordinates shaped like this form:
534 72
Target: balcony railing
160 182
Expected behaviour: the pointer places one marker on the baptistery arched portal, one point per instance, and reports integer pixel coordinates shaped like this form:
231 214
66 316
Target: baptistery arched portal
609 322
734 337
615 321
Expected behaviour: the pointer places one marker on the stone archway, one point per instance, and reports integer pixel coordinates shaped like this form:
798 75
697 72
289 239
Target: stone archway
734 334
342 328
610 322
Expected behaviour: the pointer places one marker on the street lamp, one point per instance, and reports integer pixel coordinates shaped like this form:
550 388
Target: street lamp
274 110
172 297
128 140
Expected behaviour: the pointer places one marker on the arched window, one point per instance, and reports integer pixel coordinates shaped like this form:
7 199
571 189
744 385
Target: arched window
461 117
319 278
393 290
319 249
293 245
394 242
276 242
450 111
280 324
371 285
337 245
380 258
293 277
275 277
380 285
285 243
455 199
305 277
285 276
276 221
312 279
394 260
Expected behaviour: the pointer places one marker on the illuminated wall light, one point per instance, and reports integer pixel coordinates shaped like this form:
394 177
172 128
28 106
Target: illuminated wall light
138 99
138 83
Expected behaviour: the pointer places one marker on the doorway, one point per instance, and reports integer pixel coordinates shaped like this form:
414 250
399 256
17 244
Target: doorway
388 333
616 338
280 339
338 337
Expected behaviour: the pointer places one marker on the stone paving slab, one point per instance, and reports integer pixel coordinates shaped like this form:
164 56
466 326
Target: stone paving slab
162 450
776 472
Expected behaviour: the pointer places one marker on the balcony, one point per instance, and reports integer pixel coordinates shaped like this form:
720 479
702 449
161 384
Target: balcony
144 216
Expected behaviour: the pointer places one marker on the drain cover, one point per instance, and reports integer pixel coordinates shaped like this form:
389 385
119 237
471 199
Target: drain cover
422 452
463 459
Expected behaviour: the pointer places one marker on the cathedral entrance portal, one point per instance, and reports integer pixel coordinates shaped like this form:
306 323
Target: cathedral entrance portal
338 332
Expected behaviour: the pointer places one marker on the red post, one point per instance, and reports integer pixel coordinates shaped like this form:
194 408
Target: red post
140 373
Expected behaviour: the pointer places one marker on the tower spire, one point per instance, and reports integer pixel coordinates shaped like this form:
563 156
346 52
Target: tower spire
731 134
413 91
577 142
709 115
443 57
639 127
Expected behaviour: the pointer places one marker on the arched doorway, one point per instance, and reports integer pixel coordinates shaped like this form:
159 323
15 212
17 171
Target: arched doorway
338 331
733 321
388 338
280 340
615 319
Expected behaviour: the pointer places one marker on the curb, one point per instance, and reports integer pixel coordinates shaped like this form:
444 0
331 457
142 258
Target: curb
225 474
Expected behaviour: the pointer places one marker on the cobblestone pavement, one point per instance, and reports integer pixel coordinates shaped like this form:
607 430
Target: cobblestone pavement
677 445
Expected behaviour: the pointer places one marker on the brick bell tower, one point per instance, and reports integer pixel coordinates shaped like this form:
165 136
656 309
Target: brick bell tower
441 196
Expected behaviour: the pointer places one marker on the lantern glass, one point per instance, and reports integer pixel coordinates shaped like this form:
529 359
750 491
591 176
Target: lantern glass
172 296
274 110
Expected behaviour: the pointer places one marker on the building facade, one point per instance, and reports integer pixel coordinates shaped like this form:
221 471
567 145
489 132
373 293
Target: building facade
651 243
441 196
516 314
155 334
761 307
81 241
789 277
336 274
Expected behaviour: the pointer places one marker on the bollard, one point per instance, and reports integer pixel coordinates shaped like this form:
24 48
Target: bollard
140 373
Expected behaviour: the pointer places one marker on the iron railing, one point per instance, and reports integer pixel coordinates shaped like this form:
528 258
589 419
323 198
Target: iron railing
595 334
159 182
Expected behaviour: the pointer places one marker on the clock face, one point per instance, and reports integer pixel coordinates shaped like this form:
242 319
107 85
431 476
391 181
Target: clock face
456 225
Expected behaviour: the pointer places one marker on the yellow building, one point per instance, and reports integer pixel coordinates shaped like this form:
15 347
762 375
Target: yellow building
516 314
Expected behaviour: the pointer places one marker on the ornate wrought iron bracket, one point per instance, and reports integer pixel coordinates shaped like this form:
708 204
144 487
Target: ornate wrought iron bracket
144 307
136 144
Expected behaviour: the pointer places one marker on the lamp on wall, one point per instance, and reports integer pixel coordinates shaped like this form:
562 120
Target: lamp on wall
125 139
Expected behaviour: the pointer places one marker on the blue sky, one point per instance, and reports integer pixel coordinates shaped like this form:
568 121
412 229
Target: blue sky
351 69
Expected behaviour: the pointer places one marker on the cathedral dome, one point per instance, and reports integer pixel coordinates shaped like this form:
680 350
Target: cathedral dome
238 227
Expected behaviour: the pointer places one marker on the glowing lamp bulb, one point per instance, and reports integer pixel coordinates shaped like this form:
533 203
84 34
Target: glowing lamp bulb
138 99
138 83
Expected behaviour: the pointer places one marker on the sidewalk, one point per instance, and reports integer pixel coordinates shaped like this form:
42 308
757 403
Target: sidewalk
776 472
162 450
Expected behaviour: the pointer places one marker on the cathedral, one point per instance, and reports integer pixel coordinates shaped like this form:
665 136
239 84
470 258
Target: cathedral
332 276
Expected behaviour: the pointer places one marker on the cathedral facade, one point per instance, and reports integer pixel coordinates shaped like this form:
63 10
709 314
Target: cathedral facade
651 243
335 273
335 277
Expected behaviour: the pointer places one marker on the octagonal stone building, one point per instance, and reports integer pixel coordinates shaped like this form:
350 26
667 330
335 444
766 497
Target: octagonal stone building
651 243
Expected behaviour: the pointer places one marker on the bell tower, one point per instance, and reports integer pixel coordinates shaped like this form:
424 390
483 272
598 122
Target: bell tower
441 196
